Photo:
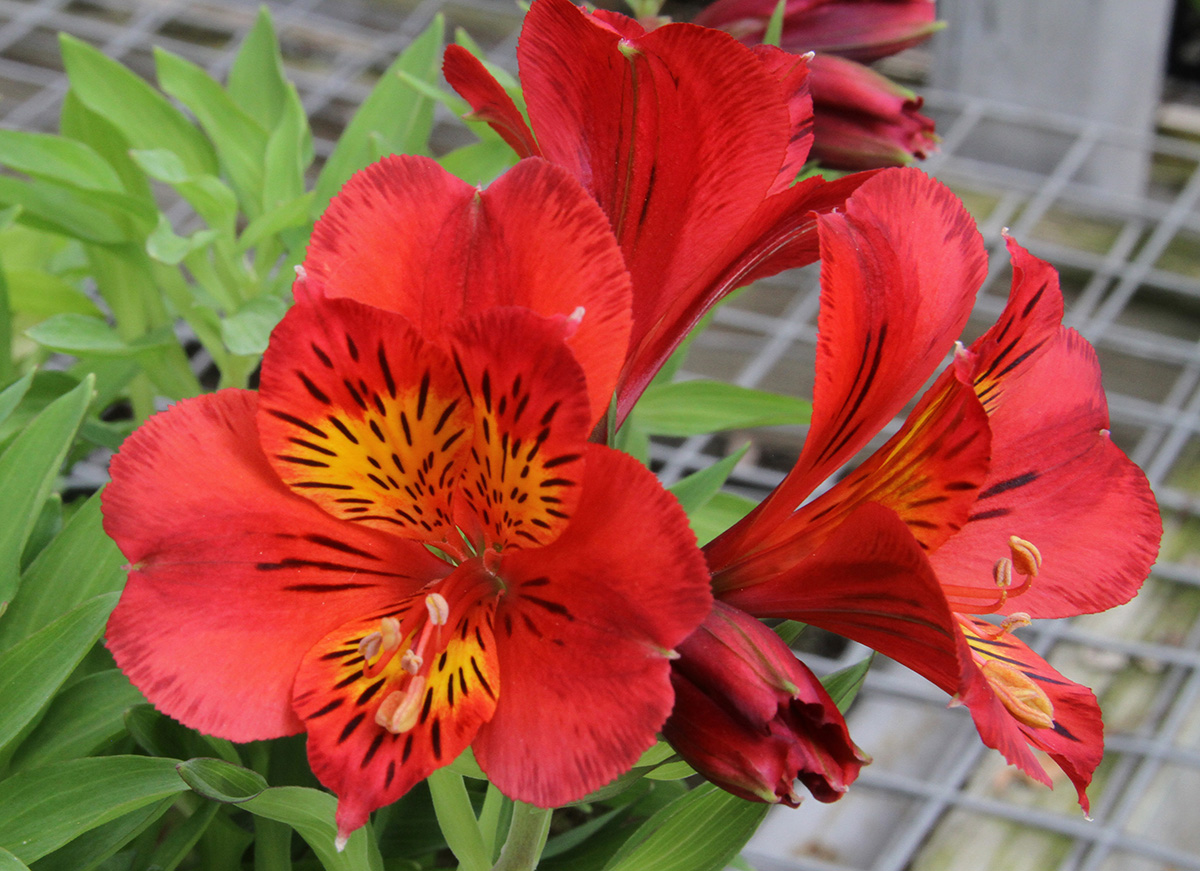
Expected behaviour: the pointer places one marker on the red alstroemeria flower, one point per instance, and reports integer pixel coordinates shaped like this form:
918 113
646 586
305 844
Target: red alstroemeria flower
689 141
863 30
1002 494
403 543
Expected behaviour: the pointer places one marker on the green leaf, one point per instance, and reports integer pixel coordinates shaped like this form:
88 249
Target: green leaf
83 717
696 489
257 82
80 123
843 685
718 514
208 195
240 140
144 117
159 735
57 159
222 781
284 216
42 809
700 831
33 670
9 862
310 812
50 207
685 408
167 247
27 472
92 848
671 771
480 162
42 294
400 117
78 334
12 395
774 31
247 331
79 564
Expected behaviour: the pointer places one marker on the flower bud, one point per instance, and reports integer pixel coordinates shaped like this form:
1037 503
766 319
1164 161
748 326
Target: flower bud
863 119
864 30
752 719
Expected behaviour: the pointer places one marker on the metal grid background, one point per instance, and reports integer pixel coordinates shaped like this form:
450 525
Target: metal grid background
934 797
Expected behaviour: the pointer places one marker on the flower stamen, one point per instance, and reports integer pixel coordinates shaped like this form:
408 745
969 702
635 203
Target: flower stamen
399 711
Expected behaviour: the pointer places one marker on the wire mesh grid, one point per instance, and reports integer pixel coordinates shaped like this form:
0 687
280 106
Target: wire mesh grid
934 797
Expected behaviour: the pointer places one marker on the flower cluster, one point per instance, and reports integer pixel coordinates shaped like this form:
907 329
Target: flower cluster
412 538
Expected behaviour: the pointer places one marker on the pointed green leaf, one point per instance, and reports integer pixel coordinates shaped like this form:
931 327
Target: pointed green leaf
9 862
686 408
240 140
82 718
42 809
402 118
12 395
700 831
247 330
27 472
41 294
257 82
57 159
694 491
310 812
92 848
718 514
843 685
145 117
222 781
33 670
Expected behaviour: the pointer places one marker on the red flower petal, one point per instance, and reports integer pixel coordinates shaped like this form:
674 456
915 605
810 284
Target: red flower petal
530 427
343 701
929 474
678 133
871 582
362 416
1056 479
1021 700
491 103
791 71
405 236
584 629
893 298
234 577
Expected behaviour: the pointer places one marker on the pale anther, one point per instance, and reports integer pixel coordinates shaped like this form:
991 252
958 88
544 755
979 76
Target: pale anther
399 711
389 632
370 646
439 609
411 661
1002 573
1026 558
1014 621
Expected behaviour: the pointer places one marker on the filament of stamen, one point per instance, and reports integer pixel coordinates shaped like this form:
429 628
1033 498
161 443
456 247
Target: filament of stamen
399 711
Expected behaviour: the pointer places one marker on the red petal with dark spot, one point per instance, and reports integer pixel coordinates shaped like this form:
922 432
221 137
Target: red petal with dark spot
406 236
894 296
871 582
1075 737
234 576
1057 480
531 423
366 764
361 415
584 629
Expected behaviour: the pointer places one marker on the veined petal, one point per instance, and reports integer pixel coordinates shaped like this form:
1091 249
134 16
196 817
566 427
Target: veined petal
1021 701
373 733
585 629
781 234
791 71
894 296
489 101
678 133
871 582
929 474
530 428
1056 479
406 236
364 417
233 576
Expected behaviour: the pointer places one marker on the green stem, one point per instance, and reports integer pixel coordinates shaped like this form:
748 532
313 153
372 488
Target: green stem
526 838
457 819
491 818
